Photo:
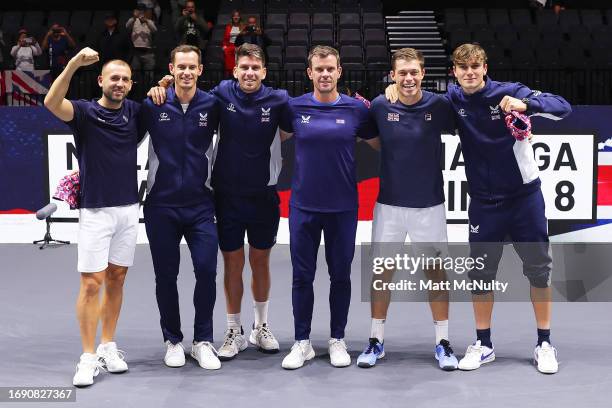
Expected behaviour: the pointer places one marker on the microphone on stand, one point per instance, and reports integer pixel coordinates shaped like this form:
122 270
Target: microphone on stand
45 214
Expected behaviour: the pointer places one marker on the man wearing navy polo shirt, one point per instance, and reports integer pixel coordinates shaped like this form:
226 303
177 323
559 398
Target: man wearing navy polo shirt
180 204
411 197
106 137
326 126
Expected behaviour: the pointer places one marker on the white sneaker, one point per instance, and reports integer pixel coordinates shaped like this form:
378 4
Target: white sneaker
301 351
262 337
233 343
87 368
475 356
111 358
545 357
338 355
175 354
206 355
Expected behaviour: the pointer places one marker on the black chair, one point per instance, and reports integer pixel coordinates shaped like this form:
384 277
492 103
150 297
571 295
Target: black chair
216 36
349 36
276 36
546 17
349 20
251 6
323 20
33 21
373 20
454 18
591 17
601 57
377 54
275 55
299 20
276 20
347 6
62 17
520 17
11 23
322 36
299 6
322 6
278 6
548 58
80 21
460 36
507 38
522 57
573 57
351 53
375 36
476 18
568 18
579 36
297 36
229 5
295 53
530 35
498 17
371 5
482 34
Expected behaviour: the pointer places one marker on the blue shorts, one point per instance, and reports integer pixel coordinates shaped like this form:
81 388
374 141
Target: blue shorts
257 215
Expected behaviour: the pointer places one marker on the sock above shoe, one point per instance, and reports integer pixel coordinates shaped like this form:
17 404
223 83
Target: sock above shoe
484 335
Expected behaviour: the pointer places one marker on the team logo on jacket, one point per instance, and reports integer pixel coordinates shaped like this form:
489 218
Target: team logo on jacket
428 117
125 118
340 121
462 113
495 112
474 229
265 114
305 119
163 117
231 107
392 117
203 119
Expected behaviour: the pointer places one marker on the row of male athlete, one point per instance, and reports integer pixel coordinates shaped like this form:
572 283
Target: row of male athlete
242 170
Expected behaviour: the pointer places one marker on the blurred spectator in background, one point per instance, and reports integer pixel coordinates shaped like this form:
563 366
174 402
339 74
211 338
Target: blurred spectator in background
24 52
232 29
112 43
252 34
177 7
152 5
191 28
58 43
141 29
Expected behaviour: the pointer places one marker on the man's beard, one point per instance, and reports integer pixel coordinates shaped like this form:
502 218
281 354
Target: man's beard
109 95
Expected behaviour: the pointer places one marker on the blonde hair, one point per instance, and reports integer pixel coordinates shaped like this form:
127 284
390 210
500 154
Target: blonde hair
469 52
407 54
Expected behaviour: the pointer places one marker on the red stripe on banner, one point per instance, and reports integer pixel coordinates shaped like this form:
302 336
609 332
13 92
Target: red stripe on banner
19 81
17 211
604 185
368 192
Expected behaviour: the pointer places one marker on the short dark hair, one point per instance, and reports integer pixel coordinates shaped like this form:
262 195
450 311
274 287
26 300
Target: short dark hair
251 50
323 51
186 48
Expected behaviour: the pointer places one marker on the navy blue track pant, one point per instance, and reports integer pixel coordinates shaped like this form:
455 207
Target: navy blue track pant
523 220
165 228
339 230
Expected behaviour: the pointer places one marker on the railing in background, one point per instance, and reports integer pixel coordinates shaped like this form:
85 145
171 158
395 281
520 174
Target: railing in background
579 87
